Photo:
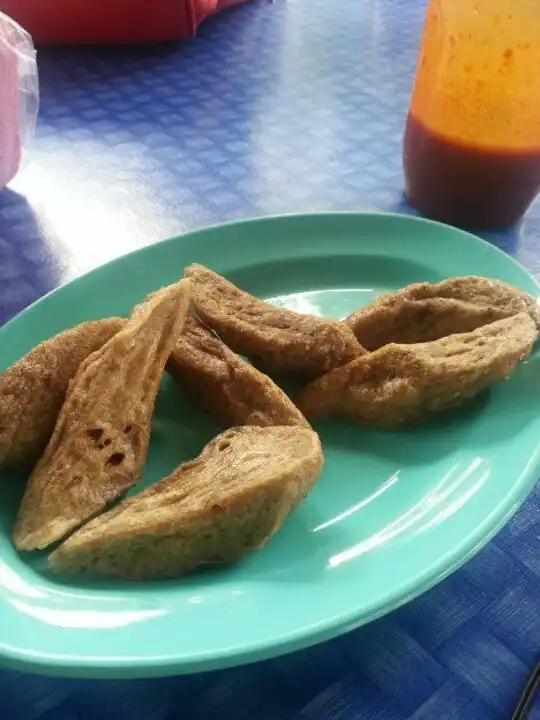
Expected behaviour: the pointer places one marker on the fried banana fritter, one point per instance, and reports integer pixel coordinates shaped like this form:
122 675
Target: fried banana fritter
100 441
213 510
423 312
279 340
33 389
400 384
227 387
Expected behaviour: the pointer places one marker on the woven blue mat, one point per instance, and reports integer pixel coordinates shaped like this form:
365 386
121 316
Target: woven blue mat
276 107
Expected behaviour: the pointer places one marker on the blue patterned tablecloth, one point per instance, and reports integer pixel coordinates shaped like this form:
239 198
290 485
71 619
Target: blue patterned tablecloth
276 107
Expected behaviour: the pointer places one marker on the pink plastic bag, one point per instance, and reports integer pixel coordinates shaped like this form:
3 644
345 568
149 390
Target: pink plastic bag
18 96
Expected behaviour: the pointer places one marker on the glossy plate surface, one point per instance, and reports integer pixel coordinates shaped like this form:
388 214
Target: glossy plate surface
391 515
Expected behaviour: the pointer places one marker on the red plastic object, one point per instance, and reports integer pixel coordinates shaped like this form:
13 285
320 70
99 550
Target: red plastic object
99 22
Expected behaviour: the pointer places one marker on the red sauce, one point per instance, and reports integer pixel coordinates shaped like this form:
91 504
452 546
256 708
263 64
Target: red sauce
467 185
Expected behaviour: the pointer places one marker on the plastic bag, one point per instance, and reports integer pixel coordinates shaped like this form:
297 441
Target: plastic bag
19 96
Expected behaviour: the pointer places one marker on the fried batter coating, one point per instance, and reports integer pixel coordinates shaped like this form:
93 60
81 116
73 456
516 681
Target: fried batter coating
213 510
100 441
401 384
33 389
227 387
423 312
279 340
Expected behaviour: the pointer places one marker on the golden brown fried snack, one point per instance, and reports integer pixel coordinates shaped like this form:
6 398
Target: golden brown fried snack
213 510
101 438
401 384
33 389
279 340
423 312
227 387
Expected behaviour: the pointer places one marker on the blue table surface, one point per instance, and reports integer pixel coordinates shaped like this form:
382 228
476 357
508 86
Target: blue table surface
275 107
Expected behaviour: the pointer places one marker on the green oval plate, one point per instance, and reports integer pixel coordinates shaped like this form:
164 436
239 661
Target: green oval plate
391 515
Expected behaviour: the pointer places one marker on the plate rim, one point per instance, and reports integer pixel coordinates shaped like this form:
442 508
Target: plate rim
75 665
414 219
